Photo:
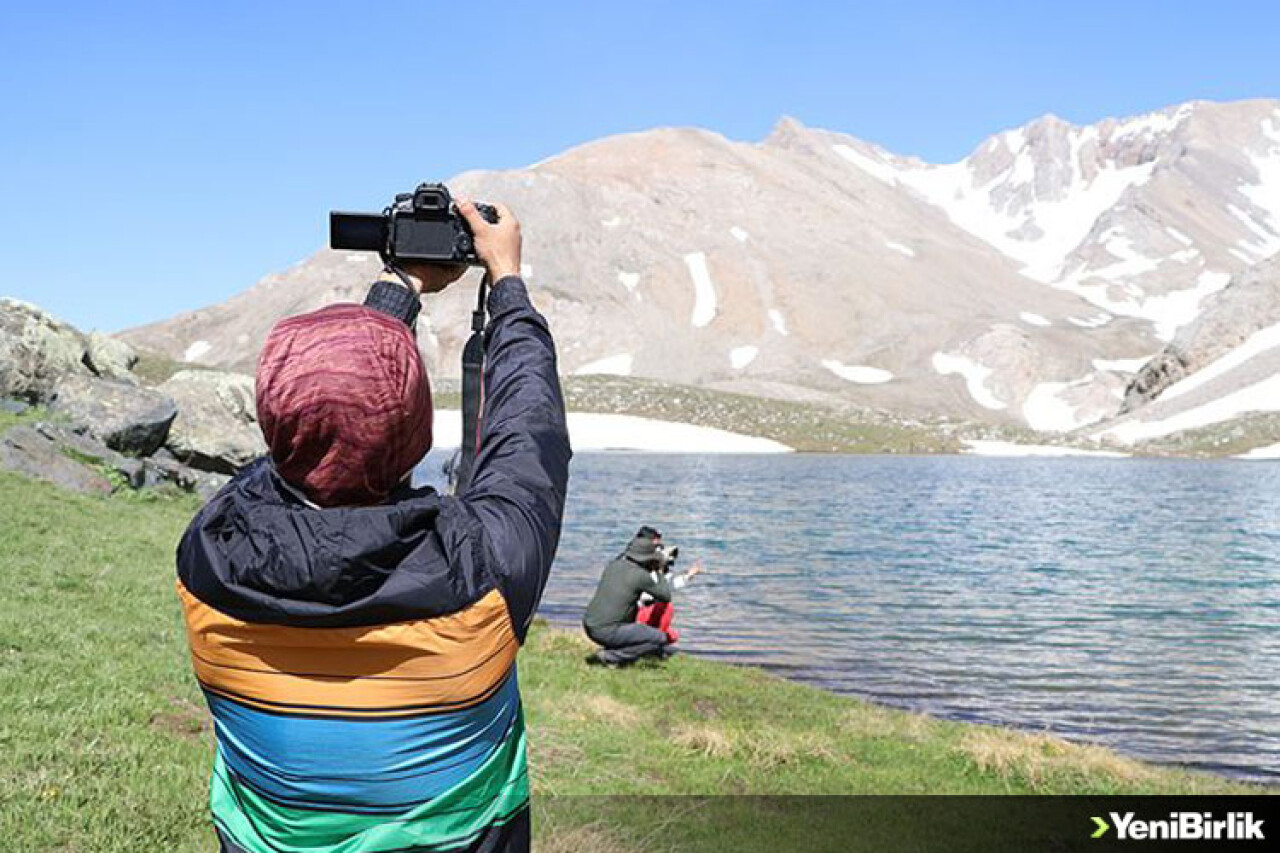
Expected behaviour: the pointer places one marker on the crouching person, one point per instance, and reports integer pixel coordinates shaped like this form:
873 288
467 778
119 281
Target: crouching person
355 639
641 574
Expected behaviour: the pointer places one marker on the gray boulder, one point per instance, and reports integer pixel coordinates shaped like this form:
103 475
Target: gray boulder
25 450
110 358
217 425
36 350
125 417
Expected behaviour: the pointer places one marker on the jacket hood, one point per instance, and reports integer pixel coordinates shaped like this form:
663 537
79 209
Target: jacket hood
260 553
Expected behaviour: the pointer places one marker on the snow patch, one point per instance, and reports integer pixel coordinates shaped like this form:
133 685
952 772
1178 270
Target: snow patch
704 291
1120 365
877 169
614 365
901 249
1167 312
983 447
629 280
1172 311
197 350
1129 263
1045 411
612 222
1034 319
526 271
1094 322
1271 451
857 373
738 234
975 377
740 357
1177 235
778 321
592 432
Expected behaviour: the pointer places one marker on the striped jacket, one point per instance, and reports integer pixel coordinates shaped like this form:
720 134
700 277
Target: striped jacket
360 663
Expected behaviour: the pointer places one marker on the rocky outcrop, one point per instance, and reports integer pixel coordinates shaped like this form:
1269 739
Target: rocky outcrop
217 425
36 350
78 461
109 431
1156 375
126 418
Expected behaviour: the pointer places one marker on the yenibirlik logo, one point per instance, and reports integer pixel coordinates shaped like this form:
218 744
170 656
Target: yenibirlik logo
1183 826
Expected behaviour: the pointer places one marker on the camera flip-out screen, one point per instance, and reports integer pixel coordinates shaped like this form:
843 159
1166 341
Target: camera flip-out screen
357 231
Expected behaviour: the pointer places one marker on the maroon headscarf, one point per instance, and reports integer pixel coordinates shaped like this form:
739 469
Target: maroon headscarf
344 403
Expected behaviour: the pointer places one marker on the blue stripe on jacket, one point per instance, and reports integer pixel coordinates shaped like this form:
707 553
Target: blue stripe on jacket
387 763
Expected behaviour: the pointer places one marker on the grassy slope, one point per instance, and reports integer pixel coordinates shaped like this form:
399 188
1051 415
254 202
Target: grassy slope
104 743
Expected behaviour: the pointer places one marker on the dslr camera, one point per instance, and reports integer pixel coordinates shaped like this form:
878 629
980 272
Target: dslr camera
667 557
423 226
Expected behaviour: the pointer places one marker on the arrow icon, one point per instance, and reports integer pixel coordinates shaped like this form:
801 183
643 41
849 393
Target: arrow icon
1102 828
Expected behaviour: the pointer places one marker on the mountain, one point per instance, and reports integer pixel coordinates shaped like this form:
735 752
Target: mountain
1041 280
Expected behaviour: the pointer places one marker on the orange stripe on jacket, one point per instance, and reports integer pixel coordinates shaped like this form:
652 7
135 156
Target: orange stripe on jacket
438 664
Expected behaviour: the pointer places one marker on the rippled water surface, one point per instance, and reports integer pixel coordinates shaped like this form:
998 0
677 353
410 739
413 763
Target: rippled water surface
1133 603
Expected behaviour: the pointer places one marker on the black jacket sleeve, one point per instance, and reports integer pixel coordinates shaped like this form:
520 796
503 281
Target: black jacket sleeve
394 299
521 474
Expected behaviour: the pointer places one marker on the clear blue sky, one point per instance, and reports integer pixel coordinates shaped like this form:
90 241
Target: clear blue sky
159 157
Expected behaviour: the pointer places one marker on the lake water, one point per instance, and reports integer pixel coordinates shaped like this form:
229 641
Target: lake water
1131 603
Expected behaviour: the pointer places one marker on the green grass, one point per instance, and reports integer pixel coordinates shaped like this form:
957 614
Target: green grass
105 745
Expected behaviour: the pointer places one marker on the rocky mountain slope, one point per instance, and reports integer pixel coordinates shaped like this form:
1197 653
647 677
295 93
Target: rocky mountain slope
1031 283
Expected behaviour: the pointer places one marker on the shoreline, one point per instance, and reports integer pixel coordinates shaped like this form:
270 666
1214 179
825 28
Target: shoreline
575 635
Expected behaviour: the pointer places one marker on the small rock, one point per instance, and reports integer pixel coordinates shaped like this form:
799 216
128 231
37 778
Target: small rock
24 450
127 418
13 407
110 358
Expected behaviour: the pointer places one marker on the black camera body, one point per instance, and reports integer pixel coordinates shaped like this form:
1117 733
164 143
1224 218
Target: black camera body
423 226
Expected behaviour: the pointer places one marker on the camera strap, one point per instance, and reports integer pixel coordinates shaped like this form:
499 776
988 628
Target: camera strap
472 389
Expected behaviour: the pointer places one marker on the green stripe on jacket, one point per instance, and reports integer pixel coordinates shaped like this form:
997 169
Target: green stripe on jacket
498 789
